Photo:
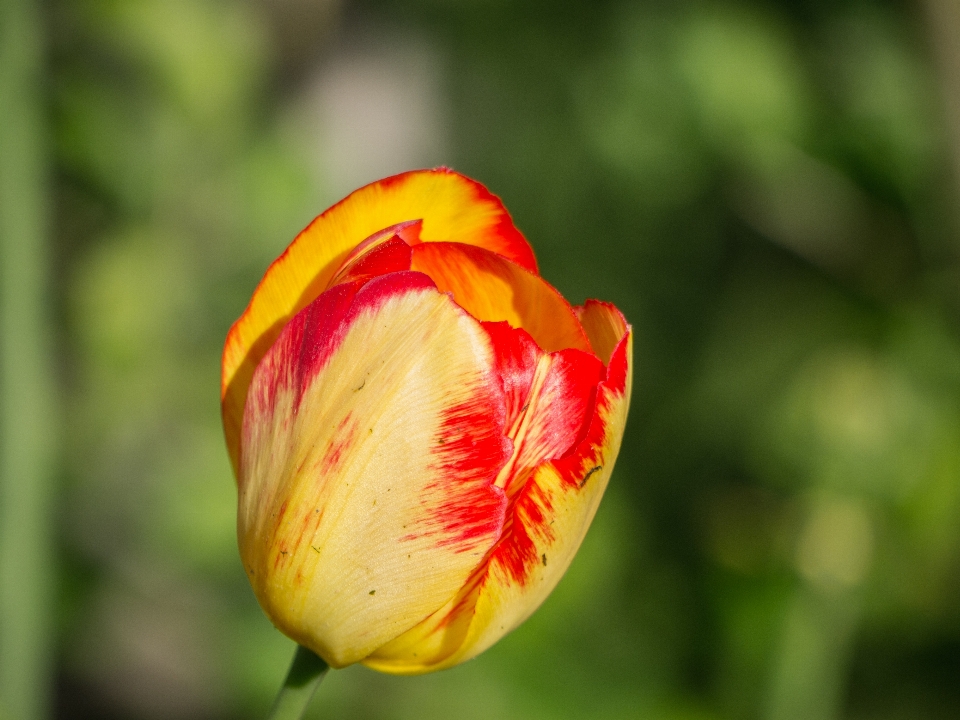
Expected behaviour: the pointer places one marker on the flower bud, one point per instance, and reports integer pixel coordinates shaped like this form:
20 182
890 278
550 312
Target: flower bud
421 427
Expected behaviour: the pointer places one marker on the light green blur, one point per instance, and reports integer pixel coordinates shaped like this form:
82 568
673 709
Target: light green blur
28 428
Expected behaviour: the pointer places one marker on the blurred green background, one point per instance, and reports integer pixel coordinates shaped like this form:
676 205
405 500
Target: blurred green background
768 189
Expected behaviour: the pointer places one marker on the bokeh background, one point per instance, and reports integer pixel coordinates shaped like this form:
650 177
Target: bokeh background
768 189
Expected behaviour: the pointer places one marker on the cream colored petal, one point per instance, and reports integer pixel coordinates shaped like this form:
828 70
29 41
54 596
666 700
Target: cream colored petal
372 436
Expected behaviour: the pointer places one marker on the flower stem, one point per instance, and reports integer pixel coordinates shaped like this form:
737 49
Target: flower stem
302 681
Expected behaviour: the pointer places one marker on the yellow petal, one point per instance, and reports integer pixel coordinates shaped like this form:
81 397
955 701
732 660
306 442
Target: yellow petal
451 206
604 324
493 289
372 437
545 526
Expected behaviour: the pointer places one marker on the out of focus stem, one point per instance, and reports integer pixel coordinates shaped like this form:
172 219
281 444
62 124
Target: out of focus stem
306 672
27 427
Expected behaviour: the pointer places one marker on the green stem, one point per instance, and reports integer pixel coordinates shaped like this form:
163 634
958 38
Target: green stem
302 681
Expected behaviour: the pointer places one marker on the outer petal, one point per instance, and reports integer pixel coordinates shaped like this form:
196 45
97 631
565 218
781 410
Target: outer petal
451 206
493 289
548 520
372 436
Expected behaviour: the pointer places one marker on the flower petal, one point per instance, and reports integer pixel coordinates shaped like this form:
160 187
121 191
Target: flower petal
493 289
389 252
373 433
451 206
555 414
604 324
516 359
547 522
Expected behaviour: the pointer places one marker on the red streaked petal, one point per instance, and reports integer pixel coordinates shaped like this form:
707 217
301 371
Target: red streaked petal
555 415
548 520
516 356
493 289
391 255
613 401
451 206
407 233
372 436
549 398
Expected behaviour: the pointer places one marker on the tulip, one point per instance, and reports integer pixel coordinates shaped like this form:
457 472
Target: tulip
421 427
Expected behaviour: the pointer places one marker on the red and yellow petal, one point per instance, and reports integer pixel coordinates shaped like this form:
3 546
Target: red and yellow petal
373 433
546 523
555 414
451 206
516 357
493 289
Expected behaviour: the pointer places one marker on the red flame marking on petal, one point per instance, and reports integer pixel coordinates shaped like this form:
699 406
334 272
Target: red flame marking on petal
576 468
345 436
469 451
516 356
517 553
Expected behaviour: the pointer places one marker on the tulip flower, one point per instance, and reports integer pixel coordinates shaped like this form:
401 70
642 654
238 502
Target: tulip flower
421 427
